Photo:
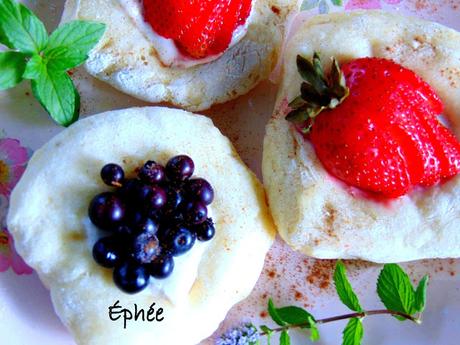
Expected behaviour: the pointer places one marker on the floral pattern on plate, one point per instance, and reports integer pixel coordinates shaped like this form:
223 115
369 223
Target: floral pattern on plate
13 161
9 257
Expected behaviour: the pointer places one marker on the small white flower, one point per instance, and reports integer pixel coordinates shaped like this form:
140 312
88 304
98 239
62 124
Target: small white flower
245 334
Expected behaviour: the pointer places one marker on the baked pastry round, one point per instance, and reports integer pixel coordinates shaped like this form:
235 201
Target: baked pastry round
48 220
314 213
126 59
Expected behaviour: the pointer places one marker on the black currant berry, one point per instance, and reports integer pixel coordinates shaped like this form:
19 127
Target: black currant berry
107 211
157 198
130 189
131 277
179 168
124 230
151 173
112 175
178 240
108 251
143 194
200 189
142 224
173 199
195 212
162 266
205 231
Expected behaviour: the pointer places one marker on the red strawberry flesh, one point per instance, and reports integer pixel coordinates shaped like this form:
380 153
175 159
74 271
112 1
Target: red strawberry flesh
199 28
385 137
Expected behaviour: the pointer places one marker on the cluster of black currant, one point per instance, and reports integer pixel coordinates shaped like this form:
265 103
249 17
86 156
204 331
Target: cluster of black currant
151 218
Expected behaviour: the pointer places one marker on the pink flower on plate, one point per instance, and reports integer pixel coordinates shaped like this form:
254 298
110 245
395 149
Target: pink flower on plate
368 4
13 160
9 257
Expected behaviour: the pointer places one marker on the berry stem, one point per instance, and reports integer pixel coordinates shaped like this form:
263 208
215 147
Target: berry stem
348 316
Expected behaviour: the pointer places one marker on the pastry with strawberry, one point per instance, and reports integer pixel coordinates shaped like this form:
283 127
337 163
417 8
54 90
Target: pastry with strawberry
362 155
190 53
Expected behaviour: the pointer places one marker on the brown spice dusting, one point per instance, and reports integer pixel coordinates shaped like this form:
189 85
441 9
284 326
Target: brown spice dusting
298 295
263 314
330 214
320 274
272 274
426 5
276 10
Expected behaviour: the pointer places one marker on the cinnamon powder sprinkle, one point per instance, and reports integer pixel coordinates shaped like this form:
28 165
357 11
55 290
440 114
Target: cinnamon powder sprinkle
272 274
298 296
320 273
276 10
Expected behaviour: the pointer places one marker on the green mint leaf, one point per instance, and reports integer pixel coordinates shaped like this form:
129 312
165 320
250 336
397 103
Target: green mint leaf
295 316
420 295
344 288
268 333
285 339
314 335
353 332
273 312
70 44
290 315
34 67
4 40
309 4
56 58
395 290
12 66
21 28
57 94
337 2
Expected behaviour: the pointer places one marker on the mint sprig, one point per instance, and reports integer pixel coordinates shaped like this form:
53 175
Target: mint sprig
344 289
353 332
393 287
43 59
420 295
21 29
397 293
12 66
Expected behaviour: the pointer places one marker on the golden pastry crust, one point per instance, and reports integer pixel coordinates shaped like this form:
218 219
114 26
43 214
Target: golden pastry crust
126 59
313 212
48 219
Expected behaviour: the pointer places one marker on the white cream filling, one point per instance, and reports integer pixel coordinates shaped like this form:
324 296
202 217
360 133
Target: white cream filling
166 49
178 285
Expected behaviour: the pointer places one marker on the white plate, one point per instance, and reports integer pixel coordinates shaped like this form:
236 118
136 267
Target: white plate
26 313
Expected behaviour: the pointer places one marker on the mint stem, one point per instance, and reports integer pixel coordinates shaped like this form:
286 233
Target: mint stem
348 316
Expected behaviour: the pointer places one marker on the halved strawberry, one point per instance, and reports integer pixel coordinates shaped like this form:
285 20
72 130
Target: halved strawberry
199 28
380 133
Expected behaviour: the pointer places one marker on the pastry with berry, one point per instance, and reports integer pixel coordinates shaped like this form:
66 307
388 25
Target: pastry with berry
141 206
